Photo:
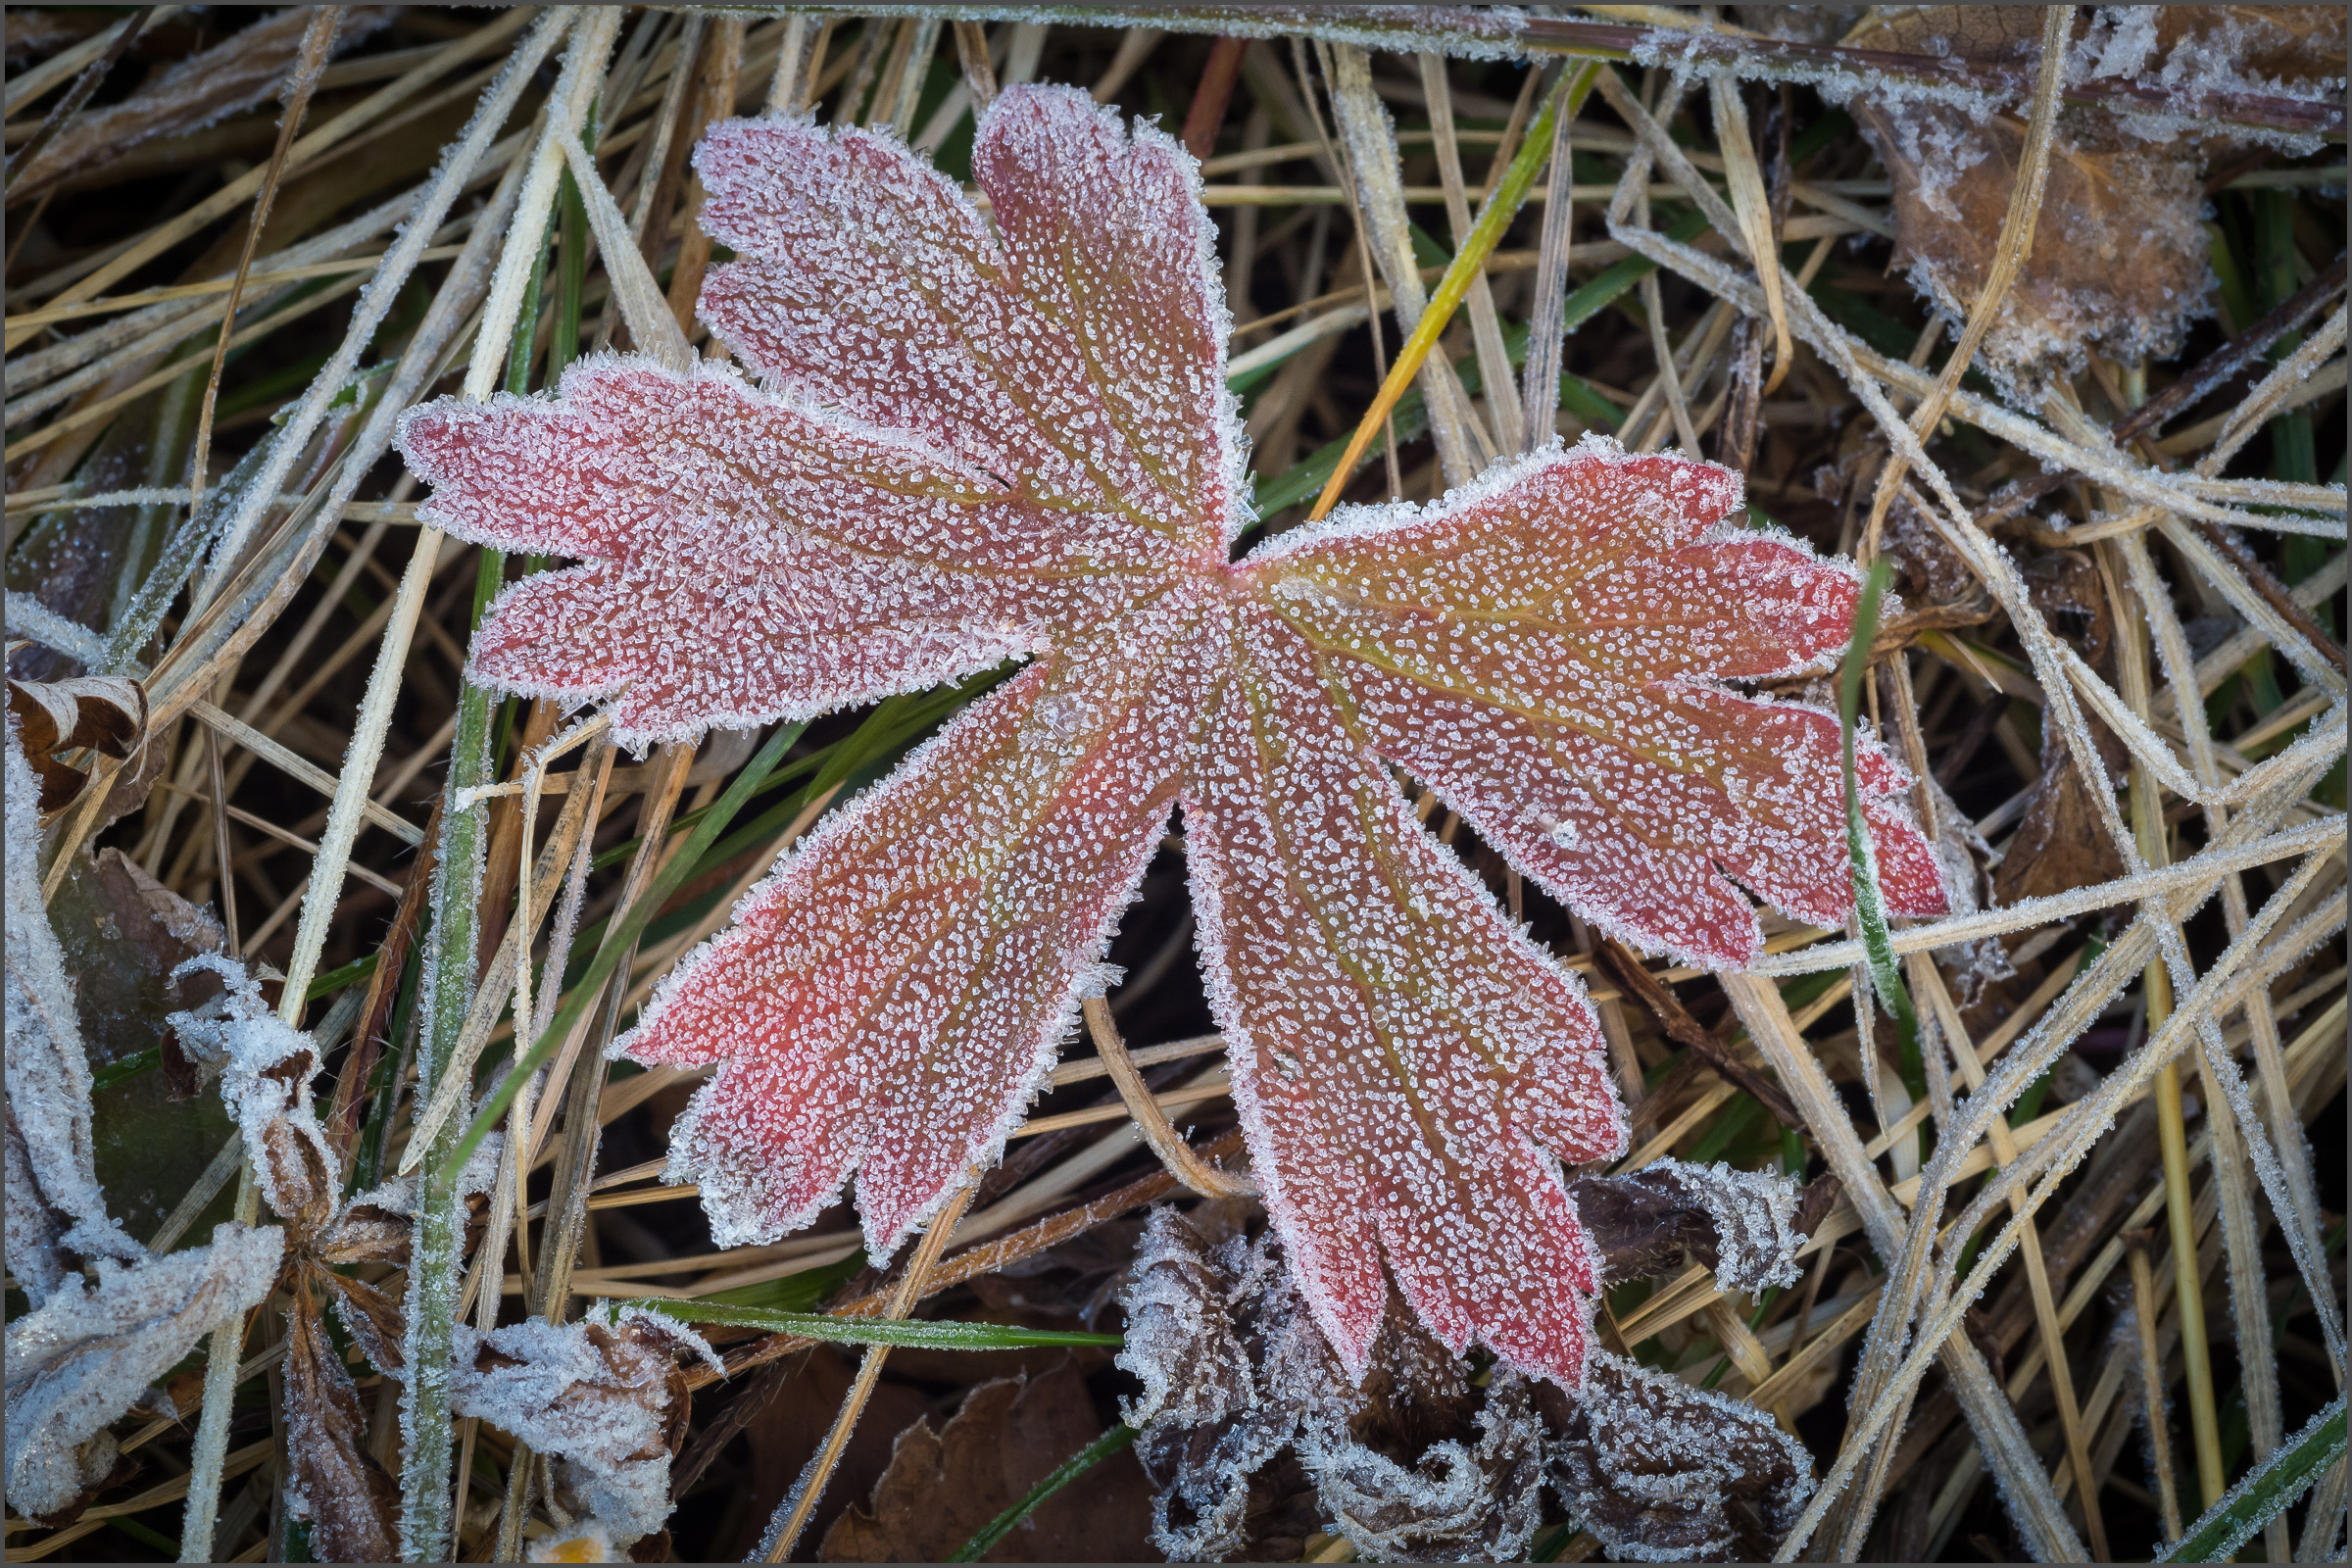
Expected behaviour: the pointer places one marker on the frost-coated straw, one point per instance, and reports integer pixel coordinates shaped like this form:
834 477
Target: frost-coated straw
1504 206
497 101
447 994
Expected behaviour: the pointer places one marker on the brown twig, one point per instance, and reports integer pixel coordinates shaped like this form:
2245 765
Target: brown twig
1640 982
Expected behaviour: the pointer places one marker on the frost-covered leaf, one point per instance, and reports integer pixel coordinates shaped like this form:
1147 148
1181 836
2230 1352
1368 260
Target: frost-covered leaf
51 1178
1663 1472
603 1396
89 1353
1244 1393
943 1483
335 1483
107 714
2119 258
265 1068
975 438
1460 1501
1739 1223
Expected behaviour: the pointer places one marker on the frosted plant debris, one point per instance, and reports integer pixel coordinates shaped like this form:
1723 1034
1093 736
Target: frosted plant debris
52 1185
1739 1223
973 439
1413 1463
2119 260
1655 1468
265 1068
87 1353
605 1395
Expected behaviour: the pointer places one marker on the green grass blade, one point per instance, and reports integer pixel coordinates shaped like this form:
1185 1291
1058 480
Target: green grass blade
1870 914
919 1334
2263 1496
1076 1465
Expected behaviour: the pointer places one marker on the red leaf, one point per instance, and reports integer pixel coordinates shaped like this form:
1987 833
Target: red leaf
987 437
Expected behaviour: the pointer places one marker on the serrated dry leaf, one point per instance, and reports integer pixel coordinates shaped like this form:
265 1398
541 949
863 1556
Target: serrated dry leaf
1007 1435
979 438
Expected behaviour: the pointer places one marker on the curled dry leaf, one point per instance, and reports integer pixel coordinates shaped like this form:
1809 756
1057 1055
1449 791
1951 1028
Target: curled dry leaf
2118 261
265 1068
605 1396
238 72
1739 1223
104 713
333 1481
52 1183
1663 1472
1007 1435
980 438
1245 1406
89 1353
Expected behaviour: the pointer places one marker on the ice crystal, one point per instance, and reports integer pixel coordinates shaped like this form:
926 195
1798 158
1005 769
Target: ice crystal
603 1396
976 438
87 1353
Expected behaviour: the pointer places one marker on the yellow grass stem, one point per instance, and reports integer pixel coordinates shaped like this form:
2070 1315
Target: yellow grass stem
1468 264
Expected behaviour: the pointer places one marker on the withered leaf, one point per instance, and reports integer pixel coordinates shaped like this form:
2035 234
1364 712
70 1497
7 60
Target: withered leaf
1009 1434
104 713
265 1070
1739 1223
603 1397
87 1353
1240 1390
2119 255
1664 1472
335 1483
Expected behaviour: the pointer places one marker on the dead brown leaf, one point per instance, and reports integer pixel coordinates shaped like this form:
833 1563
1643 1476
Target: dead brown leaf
1009 1434
102 713
1251 1425
1660 1470
353 1505
2119 256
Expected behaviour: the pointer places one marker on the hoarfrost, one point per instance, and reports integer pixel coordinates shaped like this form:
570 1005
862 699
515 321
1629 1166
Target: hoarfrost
1413 1463
605 1395
87 1353
55 1208
1656 1468
973 439
266 1068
